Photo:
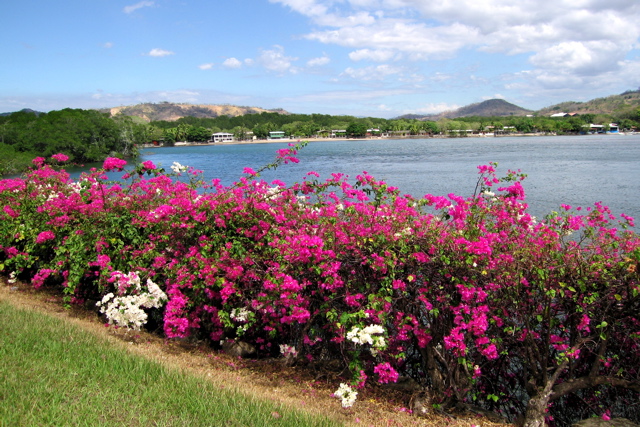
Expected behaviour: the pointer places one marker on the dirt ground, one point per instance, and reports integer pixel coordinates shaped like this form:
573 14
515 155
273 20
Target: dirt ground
305 389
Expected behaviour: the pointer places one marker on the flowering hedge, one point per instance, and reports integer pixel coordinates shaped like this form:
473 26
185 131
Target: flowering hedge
472 297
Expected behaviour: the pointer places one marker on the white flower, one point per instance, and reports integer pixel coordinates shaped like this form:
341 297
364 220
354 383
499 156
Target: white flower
374 329
177 167
239 315
369 335
127 310
347 394
12 277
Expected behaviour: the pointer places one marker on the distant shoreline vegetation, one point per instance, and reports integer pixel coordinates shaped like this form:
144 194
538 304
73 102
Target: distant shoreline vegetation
89 136
84 135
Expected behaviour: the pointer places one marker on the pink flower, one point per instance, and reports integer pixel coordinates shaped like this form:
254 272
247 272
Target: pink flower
60 157
386 374
420 257
399 284
44 236
111 163
584 323
148 165
249 171
38 161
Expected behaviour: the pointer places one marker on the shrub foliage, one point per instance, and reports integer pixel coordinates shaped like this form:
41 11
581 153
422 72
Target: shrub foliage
470 296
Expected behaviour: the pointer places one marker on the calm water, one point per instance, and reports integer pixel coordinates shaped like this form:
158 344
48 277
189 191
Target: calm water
575 170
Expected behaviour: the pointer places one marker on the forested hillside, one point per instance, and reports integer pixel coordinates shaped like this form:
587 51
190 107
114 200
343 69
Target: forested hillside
624 105
489 108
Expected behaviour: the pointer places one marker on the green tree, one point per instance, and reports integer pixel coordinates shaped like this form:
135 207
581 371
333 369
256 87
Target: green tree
240 133
356 130
198 134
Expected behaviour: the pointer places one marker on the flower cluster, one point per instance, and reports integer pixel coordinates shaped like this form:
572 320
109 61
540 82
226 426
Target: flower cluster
372 335
288 351
240 315
178 168
386 373
125 308
346 394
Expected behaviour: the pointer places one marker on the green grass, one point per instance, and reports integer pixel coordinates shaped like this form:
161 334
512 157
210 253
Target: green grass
53 373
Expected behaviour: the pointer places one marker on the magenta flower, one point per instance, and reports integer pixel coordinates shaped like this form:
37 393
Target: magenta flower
44 236
60 157
111 163
38 161
148 165
249 171
386 374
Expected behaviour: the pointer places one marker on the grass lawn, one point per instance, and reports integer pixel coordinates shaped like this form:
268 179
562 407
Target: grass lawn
54 373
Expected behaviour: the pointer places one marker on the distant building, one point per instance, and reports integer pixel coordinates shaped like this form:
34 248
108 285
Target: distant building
278 134
559 115
222 137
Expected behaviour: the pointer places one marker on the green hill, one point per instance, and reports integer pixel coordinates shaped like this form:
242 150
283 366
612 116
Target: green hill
624 105
489 108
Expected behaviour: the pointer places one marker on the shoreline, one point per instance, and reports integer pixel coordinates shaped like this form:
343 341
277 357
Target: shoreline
310 140
371 138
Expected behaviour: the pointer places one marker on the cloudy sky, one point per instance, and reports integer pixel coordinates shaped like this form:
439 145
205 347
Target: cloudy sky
380 58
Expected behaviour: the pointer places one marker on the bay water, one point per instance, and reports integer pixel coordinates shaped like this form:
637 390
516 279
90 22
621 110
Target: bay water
572 170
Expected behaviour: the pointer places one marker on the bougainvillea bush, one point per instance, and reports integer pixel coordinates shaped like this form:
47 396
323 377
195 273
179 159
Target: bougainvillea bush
472 297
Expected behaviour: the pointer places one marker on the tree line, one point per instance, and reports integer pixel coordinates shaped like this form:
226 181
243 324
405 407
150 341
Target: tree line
312 125
86 136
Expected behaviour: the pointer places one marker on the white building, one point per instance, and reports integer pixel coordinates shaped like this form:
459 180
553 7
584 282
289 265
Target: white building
222 137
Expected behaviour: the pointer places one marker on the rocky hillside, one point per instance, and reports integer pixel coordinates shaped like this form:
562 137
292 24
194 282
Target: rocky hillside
171 112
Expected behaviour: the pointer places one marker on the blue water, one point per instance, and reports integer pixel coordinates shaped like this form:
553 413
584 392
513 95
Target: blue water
573 170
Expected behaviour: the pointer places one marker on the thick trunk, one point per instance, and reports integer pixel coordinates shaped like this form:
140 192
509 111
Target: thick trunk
429 360
536 410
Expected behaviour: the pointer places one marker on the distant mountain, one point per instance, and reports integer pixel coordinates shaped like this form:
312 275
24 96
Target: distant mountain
24 110
171 112
489 108
619 105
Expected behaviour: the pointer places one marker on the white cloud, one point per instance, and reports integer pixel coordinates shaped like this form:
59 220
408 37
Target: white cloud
139 5
232 63
496 96
275 60
159 52
318 62
435 108
206 66
376 55
107 45
415 40
581 58
564 39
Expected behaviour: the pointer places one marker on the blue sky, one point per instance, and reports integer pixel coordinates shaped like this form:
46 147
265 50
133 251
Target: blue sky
380 58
